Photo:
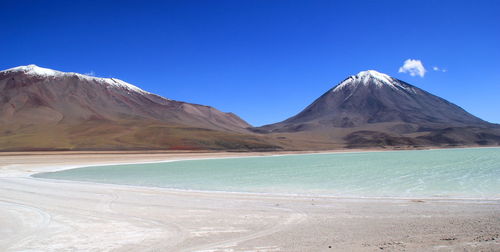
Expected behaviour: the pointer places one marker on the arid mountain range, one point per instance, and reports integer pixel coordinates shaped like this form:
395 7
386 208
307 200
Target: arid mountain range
44 109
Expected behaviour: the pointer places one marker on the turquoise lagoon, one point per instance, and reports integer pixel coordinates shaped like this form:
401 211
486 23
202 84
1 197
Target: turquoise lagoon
446 173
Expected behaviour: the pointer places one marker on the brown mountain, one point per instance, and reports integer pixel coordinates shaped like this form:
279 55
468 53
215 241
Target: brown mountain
372 109
46 109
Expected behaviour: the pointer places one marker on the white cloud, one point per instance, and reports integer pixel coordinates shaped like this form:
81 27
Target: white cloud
91 73
413 67
438 69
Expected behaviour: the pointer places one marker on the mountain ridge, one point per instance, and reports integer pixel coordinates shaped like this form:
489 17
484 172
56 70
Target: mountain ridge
35 70
34 100
45 109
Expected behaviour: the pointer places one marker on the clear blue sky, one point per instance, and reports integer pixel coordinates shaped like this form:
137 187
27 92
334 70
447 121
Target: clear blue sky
263 60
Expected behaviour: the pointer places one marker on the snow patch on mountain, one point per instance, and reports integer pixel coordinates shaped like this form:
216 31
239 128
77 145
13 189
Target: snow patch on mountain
46 72
372 77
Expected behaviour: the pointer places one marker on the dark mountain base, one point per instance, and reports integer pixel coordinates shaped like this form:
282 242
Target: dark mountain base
448 137
128 135
387 136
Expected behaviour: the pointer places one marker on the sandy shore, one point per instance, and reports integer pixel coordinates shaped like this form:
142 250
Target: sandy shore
50 215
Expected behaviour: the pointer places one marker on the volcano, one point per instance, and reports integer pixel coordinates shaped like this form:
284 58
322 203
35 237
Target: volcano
372 109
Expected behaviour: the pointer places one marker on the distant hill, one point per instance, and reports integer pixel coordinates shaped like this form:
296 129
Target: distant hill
372 109
46 109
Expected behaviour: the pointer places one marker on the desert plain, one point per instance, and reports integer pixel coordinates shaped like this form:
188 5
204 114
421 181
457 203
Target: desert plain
56 215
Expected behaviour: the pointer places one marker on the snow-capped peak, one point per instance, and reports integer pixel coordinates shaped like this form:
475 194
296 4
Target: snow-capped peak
46 72
365 76
33 69
372 77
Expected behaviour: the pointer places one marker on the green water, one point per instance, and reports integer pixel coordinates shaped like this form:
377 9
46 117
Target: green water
454 173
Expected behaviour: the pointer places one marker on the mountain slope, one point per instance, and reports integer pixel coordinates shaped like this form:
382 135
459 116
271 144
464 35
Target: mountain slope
42 108
374 109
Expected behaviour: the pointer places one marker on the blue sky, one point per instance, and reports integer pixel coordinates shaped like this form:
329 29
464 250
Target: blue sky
263 60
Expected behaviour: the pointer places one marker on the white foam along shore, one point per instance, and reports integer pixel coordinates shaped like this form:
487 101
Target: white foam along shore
55 215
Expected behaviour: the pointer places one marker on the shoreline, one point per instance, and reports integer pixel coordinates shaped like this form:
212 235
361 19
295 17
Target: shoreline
152 151
282 195
54 215
436 198
229 155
